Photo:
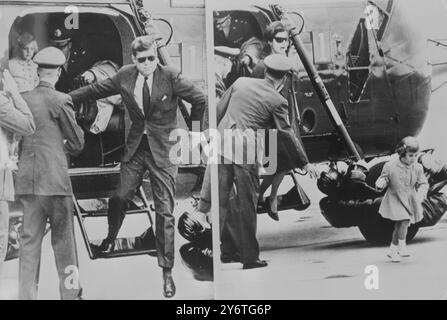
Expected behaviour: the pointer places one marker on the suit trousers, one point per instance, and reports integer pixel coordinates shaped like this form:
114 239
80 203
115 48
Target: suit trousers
242 221
163 191
4 230
58 210
204 205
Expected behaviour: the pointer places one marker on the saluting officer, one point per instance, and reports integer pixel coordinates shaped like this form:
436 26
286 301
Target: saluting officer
43 184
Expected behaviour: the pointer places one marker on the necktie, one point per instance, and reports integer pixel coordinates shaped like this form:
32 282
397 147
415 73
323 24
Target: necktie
146 98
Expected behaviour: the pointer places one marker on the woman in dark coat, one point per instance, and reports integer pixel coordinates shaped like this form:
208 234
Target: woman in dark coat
277 38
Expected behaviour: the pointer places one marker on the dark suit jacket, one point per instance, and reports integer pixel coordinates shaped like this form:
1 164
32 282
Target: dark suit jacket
168 85
43 166
255 104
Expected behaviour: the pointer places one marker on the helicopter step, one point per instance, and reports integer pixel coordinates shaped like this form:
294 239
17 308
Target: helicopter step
91 201
126 247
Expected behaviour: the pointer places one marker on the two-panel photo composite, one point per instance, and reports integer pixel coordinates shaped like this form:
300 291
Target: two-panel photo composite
223 150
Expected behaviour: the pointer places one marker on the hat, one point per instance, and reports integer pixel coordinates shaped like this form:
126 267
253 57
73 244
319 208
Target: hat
278 63
24 39
220 14
59 37
226 52
50 58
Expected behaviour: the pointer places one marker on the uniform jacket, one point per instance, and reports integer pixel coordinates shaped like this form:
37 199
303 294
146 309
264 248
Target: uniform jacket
80 61
407 187
255 104
287 92
15 118
43 164
168 86
240 31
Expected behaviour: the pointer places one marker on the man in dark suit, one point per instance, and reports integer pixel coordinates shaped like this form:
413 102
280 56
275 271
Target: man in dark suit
150 92
43 184
250 104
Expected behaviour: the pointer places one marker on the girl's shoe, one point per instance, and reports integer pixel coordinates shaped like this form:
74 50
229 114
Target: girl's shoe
393 254
403 251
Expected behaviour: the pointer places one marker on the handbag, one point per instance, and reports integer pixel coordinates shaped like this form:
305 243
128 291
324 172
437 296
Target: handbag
303 201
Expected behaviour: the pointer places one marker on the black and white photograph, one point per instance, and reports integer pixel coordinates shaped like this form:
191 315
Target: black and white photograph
223 150
94 205
346 198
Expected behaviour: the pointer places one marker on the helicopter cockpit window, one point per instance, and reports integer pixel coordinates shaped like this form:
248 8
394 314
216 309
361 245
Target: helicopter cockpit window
358 61
377 16
369 30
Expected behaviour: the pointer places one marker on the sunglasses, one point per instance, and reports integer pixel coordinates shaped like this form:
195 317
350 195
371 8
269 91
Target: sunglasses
143 59
280 40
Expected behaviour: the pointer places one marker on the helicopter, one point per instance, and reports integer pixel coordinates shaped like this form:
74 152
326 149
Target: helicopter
364 82
104 31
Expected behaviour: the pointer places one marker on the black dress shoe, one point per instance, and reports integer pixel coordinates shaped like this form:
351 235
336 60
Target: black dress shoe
257 264
168 287
230 258
107 246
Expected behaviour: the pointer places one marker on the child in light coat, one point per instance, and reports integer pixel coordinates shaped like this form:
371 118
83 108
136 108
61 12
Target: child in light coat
407 187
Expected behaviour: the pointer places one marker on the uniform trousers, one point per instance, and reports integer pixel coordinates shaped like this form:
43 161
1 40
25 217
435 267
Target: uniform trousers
58 210
238 227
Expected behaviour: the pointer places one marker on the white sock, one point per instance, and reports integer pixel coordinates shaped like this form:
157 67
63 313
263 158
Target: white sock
393 247
402 243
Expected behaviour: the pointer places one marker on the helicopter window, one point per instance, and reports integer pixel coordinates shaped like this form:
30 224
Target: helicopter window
377 16
322 48
358 62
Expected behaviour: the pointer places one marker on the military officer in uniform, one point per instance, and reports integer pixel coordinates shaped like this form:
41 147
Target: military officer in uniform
234 30
250 104
231 30
77 59
223 60
43 184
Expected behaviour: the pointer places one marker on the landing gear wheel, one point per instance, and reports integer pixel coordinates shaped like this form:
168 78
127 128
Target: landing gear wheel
380 231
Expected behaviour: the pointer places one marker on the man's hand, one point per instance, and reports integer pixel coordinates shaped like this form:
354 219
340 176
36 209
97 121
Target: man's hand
246 60
312 171
9 84
202 218
89 77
